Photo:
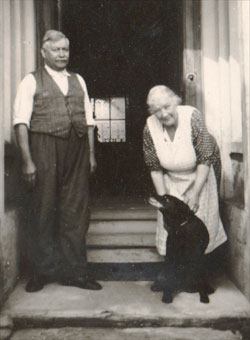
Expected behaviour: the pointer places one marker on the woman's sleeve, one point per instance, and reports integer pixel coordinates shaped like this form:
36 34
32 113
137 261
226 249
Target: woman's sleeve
204 143
150 156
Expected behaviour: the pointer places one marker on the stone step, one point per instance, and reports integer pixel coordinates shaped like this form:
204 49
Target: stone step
121 227
119 212
162 333
121 233
130 255
130 305
127 264
140 271
121 239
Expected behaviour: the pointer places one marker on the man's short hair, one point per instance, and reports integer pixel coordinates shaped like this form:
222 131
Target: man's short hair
53 35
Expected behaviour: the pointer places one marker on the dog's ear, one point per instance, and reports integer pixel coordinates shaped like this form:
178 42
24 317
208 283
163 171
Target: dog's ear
153 201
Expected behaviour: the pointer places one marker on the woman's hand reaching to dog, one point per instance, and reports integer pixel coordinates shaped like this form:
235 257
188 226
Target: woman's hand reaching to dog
191 198
192 195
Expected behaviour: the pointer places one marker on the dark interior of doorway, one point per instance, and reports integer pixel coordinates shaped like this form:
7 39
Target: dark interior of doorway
123 48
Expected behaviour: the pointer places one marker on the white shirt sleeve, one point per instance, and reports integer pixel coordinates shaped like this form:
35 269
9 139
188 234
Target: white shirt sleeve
23 105
87 105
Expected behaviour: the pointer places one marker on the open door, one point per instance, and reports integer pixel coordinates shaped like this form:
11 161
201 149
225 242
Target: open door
122 49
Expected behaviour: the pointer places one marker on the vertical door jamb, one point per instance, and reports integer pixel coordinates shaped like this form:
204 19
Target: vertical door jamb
192 94
47 17
1 128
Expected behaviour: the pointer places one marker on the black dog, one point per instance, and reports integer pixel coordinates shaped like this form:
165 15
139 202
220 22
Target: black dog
187 241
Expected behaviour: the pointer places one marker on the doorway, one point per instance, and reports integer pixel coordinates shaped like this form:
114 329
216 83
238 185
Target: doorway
122 48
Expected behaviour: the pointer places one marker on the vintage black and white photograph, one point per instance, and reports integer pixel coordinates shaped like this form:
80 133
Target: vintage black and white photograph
124 170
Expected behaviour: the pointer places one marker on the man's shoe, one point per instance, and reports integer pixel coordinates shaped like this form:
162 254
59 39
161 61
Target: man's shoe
35 284
82 283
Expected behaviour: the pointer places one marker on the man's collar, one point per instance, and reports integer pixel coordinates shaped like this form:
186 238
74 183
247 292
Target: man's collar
52 72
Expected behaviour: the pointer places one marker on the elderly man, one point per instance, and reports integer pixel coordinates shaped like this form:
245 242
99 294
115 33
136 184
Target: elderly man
54 128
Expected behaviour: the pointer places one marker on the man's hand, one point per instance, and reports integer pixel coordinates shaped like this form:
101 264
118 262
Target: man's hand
92 159
28 166
93 163
29 173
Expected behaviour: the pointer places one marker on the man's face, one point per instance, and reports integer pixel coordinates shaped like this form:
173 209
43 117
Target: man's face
56 54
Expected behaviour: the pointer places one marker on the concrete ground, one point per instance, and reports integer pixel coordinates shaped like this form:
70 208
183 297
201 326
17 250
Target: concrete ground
163 333
126 305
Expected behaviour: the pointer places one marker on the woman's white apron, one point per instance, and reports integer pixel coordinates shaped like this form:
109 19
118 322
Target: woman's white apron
179 159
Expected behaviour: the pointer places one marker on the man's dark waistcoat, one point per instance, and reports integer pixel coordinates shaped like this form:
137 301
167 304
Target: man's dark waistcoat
54 113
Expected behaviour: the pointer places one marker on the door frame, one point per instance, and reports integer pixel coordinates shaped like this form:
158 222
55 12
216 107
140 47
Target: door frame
48 15
191 81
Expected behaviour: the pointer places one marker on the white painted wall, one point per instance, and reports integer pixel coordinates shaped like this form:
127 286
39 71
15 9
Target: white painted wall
221 27
17 35
18 57
225 75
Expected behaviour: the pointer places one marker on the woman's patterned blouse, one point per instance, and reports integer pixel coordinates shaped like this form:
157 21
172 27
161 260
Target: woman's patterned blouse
205 146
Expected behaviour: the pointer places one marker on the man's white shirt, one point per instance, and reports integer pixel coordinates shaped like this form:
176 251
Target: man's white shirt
23 105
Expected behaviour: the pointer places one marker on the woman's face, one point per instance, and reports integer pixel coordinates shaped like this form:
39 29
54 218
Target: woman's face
165 110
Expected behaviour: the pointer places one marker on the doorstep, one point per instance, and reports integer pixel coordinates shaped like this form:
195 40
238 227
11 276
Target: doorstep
126 304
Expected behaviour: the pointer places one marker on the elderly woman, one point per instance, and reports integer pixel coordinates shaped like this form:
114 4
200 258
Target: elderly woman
184 161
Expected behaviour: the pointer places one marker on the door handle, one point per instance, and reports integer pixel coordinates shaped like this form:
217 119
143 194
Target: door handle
191 77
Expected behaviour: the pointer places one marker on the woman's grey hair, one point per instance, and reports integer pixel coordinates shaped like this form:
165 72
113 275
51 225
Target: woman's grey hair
159 91
53 35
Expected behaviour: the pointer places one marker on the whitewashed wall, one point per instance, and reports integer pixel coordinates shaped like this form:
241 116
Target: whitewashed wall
225 74
223 78
18 56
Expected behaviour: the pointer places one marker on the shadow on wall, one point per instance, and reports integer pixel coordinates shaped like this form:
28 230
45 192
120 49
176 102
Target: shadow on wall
13 224
238 179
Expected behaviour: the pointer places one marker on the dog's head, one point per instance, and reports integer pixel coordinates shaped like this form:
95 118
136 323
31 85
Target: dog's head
177 217
171 207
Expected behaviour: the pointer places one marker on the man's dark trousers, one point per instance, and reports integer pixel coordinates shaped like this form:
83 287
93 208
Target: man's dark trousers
60 213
